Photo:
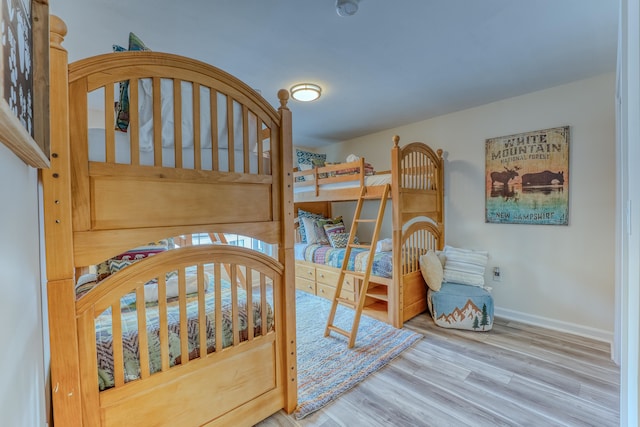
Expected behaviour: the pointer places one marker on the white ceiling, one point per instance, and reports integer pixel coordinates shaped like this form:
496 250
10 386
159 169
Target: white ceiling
392 63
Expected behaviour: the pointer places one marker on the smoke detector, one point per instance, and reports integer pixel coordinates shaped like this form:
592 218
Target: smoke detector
347 7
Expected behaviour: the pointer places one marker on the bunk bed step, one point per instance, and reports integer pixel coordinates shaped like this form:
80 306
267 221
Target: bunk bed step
339 330
346 302
353 245
365 220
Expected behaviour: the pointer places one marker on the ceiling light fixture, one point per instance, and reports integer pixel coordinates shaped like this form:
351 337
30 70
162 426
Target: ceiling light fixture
347 7
306 92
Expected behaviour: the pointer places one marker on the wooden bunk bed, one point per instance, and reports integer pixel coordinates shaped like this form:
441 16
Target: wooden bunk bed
416 179
101 202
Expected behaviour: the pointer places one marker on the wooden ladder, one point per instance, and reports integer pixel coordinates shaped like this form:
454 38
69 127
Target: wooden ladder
362 278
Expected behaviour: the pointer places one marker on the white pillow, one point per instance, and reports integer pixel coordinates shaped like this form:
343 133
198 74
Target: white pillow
432 271
306 167
465 266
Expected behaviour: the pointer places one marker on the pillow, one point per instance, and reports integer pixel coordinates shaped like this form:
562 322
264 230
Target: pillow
338 235
338 239
432 270
314 229
465 266
307 157
305 214
305 167
334 228
116 265
314 234
104 269
122 106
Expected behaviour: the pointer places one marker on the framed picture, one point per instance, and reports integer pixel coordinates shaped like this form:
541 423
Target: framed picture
527 178
24 71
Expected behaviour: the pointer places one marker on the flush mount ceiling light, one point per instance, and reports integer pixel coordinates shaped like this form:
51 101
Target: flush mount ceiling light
347 7
306 92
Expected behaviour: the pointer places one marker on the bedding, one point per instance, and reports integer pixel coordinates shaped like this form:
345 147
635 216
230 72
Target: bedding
131 350
333 257
370 180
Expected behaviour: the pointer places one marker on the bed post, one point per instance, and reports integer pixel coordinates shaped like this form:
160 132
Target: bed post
440 200
286 251
395 303
56 181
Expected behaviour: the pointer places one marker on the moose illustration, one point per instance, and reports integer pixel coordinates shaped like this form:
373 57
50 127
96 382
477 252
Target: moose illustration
542 178
504 177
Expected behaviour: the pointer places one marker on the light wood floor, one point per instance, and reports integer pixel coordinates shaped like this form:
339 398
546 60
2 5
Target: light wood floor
514 375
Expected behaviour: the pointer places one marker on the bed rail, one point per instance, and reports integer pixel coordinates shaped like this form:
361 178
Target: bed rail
167 333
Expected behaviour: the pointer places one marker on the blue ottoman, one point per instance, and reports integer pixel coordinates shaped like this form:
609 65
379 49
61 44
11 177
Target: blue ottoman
461 307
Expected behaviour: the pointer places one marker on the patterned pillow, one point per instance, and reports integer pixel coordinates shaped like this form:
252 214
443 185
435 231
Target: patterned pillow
116 265
334 228
122 106
338 235
104 269
305 214
338 240
307 157
465 266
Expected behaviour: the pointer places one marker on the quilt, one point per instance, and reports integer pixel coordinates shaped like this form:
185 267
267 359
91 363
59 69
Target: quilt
333 257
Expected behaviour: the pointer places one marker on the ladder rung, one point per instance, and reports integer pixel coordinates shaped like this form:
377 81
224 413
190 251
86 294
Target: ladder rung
365 220
339 330
346 302
353 245
372 197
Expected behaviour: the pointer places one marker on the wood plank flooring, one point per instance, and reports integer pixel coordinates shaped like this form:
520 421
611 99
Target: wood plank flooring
514 375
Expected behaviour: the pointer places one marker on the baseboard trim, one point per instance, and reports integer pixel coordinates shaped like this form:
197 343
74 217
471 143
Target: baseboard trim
557 325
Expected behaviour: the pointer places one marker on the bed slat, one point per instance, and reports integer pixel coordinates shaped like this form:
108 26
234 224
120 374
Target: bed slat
110 146
184 329
143 340
213 100
202 319
218 303
231 145
163 322
235 311
245 138
116 333
157 121
249 288
134 122
263 301
197 161
177 122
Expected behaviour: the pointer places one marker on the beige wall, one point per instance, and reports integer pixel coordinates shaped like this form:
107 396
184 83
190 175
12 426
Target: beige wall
22 378
556 276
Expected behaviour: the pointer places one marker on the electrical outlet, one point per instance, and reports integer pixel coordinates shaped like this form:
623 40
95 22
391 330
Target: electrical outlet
497 275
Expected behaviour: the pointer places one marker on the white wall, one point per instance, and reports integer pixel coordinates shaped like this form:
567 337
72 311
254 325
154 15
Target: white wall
556 276
22 377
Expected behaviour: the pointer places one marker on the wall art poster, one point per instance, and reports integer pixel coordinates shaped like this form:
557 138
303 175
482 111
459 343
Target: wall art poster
527 178
16 60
